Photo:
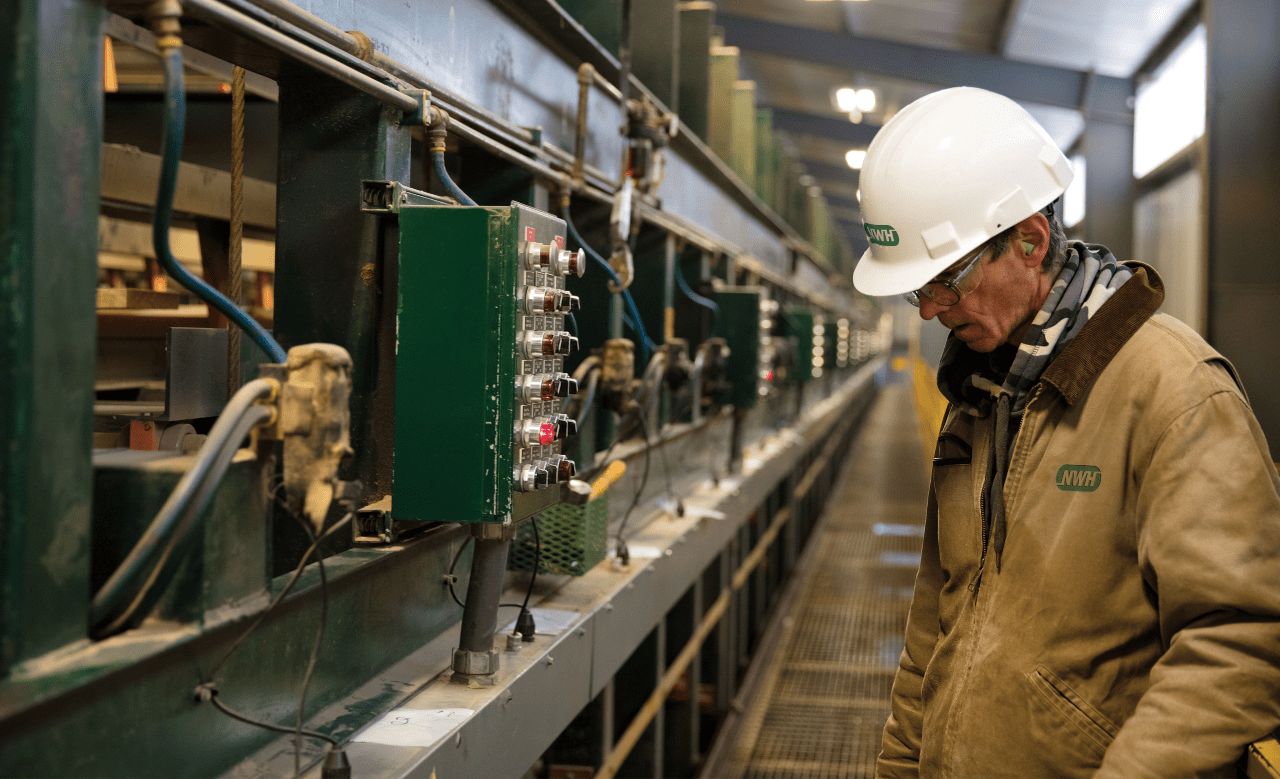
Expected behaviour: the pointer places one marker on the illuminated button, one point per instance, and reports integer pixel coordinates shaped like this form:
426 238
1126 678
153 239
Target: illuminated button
537 256
535 432
569 263
542 300
526 477
538 343
567 468
540 386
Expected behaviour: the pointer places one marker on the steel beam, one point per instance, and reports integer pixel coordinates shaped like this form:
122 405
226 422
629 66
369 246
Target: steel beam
842 173
336 266
1042 84
1243 187
835 128
1109 186
51 87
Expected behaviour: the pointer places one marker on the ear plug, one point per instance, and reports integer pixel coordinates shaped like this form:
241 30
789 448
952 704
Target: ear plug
1028 247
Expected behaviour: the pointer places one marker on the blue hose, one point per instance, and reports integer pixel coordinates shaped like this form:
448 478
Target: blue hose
689 293
175 110
437 157
634 320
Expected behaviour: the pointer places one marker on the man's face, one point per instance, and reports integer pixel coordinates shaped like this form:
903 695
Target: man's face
999 309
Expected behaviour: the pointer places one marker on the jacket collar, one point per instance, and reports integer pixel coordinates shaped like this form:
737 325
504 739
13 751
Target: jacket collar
1106 331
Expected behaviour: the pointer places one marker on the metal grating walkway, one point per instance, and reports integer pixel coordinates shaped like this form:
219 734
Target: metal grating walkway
824 698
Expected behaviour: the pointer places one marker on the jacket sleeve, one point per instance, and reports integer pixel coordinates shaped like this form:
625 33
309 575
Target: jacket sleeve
1208 542
900 745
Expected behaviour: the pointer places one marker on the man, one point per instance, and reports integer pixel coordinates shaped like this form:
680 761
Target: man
1099 590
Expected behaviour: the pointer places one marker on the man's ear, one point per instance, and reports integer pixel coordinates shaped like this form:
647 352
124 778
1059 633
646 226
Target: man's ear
1032 239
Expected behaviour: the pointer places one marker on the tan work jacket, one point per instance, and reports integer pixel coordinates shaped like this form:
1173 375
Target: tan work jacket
1132 626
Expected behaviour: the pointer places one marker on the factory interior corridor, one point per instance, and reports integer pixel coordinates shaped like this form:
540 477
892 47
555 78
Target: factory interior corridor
822 696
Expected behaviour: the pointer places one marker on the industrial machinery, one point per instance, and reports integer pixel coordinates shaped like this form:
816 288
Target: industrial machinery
322 480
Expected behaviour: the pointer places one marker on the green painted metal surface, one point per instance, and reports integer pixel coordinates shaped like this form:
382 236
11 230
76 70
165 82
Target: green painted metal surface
457 359
230 558
50 133
455 366
798 325
336 266
696 20
738 322
125 706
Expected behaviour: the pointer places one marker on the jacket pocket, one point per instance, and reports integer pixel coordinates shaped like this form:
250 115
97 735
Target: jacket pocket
951 449
1073 709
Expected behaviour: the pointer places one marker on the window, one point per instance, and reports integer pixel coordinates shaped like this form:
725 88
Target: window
1073 198
1169 111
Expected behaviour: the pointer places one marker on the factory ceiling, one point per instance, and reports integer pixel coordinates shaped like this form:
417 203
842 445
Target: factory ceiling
1043 53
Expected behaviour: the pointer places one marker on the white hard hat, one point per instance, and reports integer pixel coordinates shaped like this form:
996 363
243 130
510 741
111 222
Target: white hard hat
948 172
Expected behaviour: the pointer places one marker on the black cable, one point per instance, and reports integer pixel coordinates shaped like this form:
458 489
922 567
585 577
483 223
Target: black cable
449 579
662 455
537 560
213 698
622 552
315 646
280 597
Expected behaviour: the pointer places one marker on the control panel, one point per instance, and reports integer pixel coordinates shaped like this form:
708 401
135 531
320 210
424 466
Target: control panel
740 322
480 347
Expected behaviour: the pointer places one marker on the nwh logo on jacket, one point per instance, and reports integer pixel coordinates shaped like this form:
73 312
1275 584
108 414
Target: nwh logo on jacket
1079 478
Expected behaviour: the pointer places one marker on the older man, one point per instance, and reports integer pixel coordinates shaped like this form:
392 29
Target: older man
1099 591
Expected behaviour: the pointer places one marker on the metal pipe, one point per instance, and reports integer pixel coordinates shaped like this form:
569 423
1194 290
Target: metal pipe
352 59
585 76
475 655
221 15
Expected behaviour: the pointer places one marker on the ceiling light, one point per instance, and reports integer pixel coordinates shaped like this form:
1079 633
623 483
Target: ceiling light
858 195
846 99
854 158
855 116
865 100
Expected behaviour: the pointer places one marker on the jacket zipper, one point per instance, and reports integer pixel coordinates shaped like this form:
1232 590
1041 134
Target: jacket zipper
982 497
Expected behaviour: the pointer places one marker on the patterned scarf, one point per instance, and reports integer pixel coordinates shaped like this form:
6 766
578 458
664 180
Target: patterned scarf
1087 276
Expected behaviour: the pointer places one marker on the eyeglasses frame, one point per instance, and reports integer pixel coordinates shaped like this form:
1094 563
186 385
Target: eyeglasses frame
954 283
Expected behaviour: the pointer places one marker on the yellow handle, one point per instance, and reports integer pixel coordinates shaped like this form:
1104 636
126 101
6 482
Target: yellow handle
606 480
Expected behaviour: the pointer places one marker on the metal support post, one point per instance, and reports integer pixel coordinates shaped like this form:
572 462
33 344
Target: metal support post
50 141
1242 190
337 266
1108 151
475 659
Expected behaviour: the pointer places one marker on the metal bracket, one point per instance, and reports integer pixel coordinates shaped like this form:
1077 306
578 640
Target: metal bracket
388 197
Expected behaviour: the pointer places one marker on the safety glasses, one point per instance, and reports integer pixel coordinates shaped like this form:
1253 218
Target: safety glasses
951 285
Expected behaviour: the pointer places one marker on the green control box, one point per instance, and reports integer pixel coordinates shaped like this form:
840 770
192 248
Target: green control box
738 323
480 347
799 327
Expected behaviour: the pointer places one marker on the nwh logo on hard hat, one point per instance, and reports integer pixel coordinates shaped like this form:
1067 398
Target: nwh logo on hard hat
882 235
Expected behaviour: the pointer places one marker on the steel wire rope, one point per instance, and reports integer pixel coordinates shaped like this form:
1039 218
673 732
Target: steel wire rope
235 253
175 108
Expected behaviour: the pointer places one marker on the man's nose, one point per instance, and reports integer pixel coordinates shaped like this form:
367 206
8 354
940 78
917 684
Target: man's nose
928 308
